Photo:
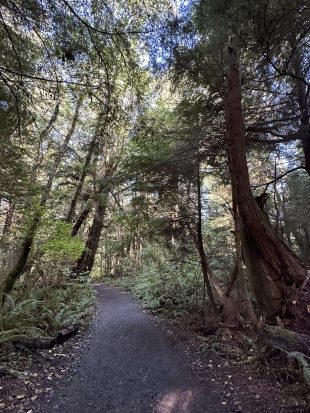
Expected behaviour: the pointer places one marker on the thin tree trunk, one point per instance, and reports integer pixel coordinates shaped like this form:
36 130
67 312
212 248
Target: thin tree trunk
274 269
200 246
8 219
307 241
80 184
85 263
81 219
43 135
61 153
286 230
20 266
91 148
232 280
302 96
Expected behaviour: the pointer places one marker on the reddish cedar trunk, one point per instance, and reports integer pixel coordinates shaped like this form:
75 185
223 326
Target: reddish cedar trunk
272 265
246 308
86 261
79 222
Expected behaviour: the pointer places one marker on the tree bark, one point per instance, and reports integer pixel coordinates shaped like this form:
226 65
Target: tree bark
60 155
20 265
86 261
273 267
81 219
200 246
302 96
246 308
99 129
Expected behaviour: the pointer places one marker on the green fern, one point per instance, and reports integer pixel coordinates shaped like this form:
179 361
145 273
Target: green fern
45 311
303 363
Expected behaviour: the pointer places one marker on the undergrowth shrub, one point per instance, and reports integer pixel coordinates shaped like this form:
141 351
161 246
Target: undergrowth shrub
165 281
45 311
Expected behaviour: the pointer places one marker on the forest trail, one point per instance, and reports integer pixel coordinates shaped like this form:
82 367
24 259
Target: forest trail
130 366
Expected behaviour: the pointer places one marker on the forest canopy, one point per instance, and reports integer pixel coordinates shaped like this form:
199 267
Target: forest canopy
164 143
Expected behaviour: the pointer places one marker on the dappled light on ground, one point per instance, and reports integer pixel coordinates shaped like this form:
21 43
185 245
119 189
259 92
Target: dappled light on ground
175 401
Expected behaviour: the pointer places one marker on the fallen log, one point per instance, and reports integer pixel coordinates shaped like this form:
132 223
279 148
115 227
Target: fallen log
42 343
65 334
283 339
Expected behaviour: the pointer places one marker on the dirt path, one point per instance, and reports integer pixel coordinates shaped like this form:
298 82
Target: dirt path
130 366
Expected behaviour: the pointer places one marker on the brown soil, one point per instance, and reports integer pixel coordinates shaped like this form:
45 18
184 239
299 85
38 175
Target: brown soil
246 381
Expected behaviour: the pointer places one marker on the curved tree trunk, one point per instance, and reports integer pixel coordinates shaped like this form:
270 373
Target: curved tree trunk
81 218
86 261
273 267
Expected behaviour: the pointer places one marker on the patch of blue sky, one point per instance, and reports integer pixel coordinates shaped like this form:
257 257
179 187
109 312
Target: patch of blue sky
4 105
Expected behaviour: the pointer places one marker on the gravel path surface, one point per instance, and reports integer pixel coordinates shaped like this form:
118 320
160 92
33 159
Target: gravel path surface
130 366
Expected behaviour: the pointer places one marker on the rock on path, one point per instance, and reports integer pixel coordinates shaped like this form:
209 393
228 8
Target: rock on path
130 366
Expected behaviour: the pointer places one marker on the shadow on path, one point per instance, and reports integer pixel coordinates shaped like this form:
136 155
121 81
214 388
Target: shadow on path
130 366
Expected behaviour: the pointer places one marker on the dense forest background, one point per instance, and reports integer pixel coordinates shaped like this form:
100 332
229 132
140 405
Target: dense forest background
163 144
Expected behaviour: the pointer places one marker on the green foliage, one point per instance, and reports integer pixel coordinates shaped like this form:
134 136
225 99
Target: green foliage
303 362
56 240
45 311
165 282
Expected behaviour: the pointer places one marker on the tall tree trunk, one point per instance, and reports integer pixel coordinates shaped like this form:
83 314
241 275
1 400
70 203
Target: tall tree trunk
307 241
303 97
86 261
200 245
42 137
100 127
61 153
273 267
246 308
286 226
20 266
81 218
80 184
